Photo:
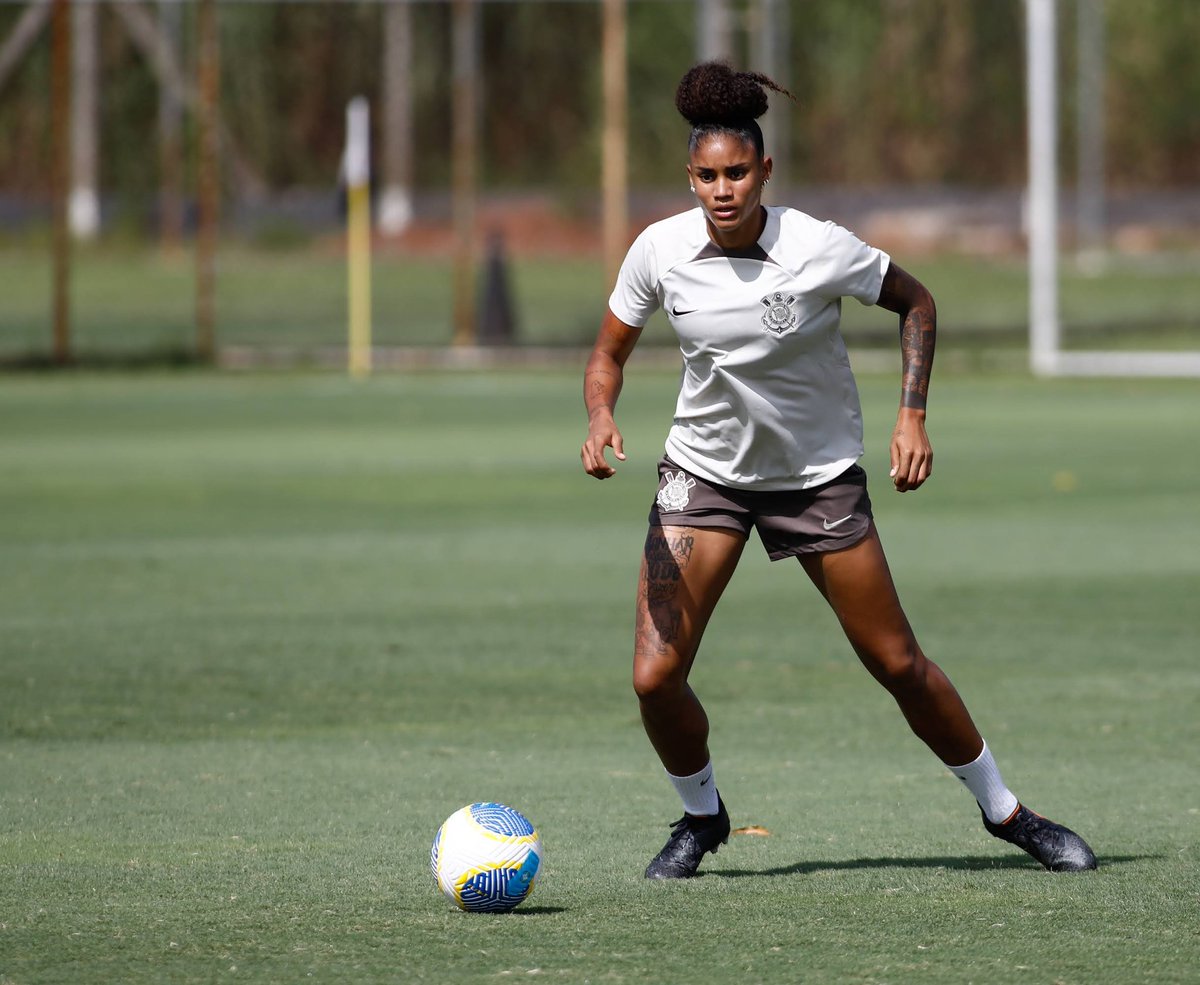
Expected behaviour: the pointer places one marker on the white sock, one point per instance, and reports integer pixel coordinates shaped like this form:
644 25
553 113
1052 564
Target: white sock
982 778
698 791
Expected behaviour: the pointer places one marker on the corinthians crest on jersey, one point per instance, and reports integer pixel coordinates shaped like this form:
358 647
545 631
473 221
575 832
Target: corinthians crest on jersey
782 316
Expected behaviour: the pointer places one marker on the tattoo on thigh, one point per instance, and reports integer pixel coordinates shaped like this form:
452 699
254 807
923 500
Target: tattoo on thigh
657 630
660 617
666 559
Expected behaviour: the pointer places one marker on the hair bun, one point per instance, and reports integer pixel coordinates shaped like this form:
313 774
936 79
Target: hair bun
712 92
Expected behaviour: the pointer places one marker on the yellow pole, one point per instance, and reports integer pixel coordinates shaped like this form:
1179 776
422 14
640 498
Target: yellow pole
358 234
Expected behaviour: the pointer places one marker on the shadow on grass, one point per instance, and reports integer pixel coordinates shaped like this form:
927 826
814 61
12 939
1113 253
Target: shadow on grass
967 863
531 911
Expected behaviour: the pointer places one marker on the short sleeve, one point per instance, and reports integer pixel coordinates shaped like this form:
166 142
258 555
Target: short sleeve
851 268
635 297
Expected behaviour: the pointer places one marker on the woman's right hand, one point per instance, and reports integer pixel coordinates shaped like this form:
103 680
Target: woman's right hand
602 433
601 386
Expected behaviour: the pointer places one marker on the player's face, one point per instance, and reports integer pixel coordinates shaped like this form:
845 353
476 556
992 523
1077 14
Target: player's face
728 176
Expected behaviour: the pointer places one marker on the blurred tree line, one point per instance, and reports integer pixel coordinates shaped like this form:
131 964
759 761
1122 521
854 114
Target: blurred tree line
888 91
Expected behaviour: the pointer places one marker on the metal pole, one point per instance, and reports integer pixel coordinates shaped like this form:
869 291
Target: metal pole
1042 98
1090 168
396 200
769 48
207 178
60 169
85 107
714 31
614 168
22 36
465 164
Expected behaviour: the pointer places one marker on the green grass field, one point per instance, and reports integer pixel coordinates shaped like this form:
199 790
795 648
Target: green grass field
260 635
133 302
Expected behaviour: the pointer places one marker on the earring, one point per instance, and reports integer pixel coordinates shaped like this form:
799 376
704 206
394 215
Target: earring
766 181
692 189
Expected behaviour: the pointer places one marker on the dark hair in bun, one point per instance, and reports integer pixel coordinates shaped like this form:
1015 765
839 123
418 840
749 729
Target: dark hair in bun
714 98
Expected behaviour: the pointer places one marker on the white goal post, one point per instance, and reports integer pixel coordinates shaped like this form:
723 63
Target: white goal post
1046 355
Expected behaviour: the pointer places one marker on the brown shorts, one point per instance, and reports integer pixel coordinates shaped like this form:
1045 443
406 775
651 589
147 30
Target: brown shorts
790 522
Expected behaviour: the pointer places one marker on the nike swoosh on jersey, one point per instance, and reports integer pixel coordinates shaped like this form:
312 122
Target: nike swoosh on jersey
675 311
836 523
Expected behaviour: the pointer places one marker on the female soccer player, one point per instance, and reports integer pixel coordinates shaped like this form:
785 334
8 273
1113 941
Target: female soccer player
767 435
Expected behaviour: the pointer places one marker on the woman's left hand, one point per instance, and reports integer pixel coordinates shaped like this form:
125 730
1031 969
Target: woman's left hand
912 454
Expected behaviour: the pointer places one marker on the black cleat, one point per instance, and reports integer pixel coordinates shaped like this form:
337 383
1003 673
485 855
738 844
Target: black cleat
1059 849
691 837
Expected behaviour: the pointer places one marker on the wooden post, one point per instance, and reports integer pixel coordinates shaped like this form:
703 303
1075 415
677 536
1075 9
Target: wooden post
170 141
208 67
60 173
465 164
614 170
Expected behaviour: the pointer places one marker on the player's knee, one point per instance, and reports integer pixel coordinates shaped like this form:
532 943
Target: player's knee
657 679
902 668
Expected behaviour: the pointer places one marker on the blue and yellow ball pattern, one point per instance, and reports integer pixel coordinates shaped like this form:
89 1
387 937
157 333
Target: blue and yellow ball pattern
485 857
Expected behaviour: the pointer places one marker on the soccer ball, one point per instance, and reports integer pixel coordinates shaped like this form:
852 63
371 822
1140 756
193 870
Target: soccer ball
485 857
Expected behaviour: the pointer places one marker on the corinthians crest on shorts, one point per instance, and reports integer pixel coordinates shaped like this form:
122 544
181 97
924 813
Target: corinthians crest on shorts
674 495
781 316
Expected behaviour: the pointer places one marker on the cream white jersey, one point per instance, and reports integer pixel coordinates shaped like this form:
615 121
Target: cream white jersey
767 399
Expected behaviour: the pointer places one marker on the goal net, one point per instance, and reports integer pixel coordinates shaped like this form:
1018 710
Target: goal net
1111 278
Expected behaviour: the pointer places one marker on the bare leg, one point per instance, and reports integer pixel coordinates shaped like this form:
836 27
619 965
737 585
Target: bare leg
858 586
684 571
